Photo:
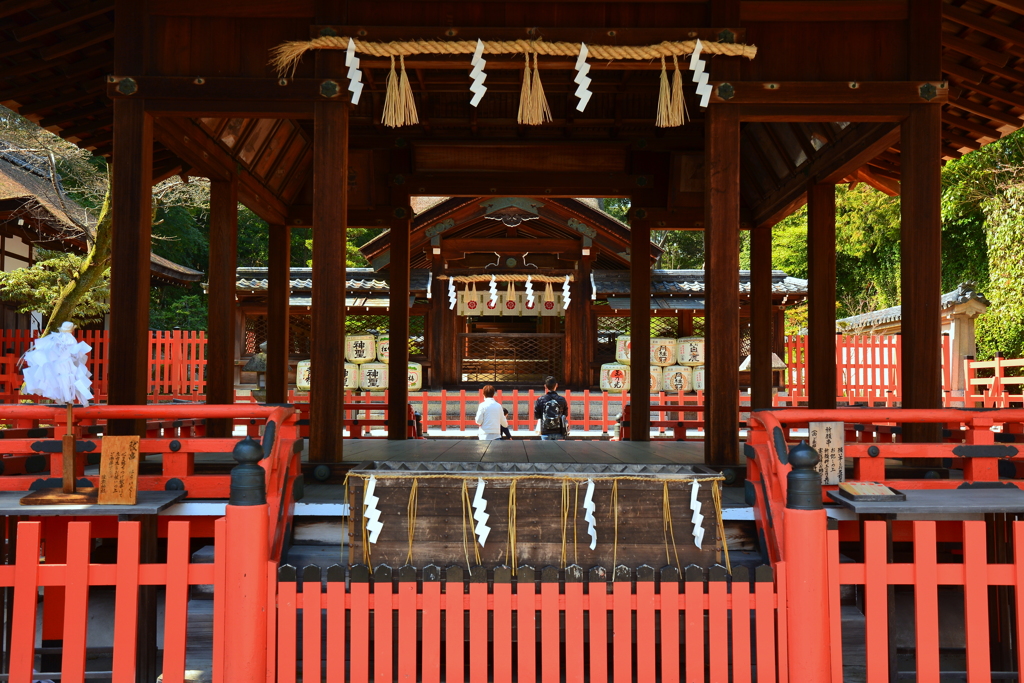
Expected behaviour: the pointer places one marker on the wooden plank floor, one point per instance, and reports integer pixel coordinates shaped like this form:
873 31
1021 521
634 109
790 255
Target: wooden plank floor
525 451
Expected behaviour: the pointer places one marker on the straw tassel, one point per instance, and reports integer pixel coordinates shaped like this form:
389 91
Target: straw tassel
524 97
539 103
408 102
391 117
679 115
664 119
399 103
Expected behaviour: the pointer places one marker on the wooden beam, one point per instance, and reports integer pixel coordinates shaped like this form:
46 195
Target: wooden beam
80 41
722 161
816 10
398 331
63 19
639 329
68 115
979 129
278 318
921 257
330 210
622 35
62 99
829 92
823 113
965 72
760 318
539 184
960 140
972 49
996 93
220 382
821 267
503 245
10 7
994 115
982 24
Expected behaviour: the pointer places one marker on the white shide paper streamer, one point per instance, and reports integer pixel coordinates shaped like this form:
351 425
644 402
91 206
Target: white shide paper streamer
479 514
565 294
493 286
588 505
529 290
453 296
477 74
697 518
370 511
700 76
355 76
582 79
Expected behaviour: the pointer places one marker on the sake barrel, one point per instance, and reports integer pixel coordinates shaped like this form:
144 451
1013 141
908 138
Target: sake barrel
383 348
415 376
698 378
678 378
657 378
614 377
361 348
622 349
691 351
302 375
373 376
663 351
351 376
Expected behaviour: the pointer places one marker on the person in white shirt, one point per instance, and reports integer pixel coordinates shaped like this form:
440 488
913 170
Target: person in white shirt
490 416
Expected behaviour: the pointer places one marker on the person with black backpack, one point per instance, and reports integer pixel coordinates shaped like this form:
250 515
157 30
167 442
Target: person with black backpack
552 413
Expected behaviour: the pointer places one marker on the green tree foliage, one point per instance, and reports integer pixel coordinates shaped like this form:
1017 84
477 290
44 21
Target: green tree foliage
357 237
39 288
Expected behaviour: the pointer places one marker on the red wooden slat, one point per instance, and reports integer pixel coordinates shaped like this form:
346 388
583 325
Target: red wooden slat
622 631
336 649
407 630
502 632
781 615
360 635
646 659
455 636
219 606
383 605
741 631
597 620
76 605
718 631
287 631
432 632
764 625
670 609
979 665
26 596
926 602
693 624
574 652
126 602
176 601
478 632
549 633
876 602
311 630
835 621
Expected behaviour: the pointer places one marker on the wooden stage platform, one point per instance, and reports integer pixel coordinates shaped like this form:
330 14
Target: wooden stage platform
526 450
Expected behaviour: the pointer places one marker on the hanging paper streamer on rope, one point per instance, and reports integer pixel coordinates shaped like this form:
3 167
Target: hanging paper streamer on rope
700 76
355 76
697 519
529 291
430 281
493 286
479 514
477 74
590 507
370 511
453 296
582 79
593 287
565 294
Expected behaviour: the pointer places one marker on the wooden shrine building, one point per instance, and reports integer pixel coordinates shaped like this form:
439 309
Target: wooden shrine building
509 343
799 96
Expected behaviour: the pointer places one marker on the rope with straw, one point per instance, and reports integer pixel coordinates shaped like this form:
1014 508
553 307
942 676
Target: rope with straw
508 277
286 57
510 550
410 511
716 496
667 529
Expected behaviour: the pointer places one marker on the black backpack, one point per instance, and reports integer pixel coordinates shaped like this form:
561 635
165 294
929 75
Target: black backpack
551 420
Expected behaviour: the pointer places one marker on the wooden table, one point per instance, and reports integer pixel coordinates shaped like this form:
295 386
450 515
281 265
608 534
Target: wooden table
149 505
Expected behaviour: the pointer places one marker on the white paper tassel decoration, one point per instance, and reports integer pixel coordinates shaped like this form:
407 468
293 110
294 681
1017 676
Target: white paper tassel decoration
370 511
56 368
697 518
355 76
477 74
593 287
453 296
493 286
700 76
588 505
529 290
479 514
565 294
582 79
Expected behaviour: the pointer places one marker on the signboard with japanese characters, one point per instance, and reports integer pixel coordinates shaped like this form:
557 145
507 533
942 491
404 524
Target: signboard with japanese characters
828 439
119 471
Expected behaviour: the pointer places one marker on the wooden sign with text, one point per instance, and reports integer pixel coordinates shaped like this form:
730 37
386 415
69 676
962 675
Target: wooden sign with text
829 439
119 470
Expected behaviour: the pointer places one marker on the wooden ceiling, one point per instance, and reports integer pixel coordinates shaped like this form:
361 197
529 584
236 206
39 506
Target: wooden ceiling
56 54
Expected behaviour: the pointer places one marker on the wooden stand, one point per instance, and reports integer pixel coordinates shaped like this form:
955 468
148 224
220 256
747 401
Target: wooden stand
68 495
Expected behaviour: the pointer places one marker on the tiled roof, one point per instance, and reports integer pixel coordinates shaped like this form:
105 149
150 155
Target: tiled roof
357 280
611 282
960 295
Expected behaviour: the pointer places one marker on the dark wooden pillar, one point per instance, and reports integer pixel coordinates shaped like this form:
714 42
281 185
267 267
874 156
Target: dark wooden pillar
722 321
761 318
821 313
921 227
278 313
129 257
398 331
221 329
579 338
330 221
640 328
